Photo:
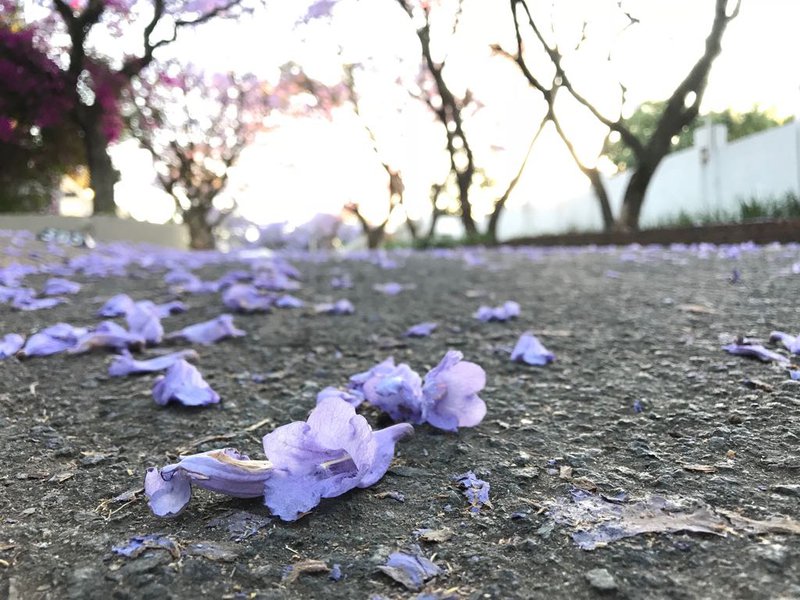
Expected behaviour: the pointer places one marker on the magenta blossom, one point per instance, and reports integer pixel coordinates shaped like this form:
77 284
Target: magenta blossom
183 383
208 332
333 452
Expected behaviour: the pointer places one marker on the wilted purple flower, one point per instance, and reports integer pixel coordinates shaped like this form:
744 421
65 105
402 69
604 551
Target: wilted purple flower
340 307
476 491
52 340
382 369
743 347
170 308
184 383
138 544
243 297
531 351
179 277
794 375
275 281
232 277
10 345
12 294
398 393
55 286
169 489
421 330
509 310
790 342
330 454
289 301
107 335
208 332
391 288
116 306
450 392
143 320
411 570
125 364
352 397
29 303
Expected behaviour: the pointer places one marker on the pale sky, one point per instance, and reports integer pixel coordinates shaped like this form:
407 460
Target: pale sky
317 165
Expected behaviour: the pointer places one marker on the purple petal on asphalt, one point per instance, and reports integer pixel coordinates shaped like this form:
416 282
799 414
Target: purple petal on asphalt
107 335
11 294
392 288
274 281
475 490
451 391
143 320
183 383
352 397
336 572
411 570
243 297
342 282
169 489
397 393
340 307
330 454
10 344
55 286
790 342
743 347
531 351
138 544
170 308
52 340
795 375
125 364
358 380
116 306
289 301
421 330
208 332
179 277
509 310
232 277
29 304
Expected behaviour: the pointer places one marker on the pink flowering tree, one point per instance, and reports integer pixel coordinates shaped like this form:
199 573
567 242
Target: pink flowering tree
76 34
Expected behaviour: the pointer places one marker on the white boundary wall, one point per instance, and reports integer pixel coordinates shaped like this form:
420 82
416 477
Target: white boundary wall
713 175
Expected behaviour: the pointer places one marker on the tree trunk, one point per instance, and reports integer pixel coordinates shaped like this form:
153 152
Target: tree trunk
467 220
602 197
634 197
375 237
201 233
102 174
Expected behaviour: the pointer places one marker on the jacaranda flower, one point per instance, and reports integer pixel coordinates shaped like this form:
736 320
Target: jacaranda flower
790 342
243 297
509 310
108 335
208 332
421 330
116 306
55 286
52 340
184 383
125 364
742 347
10 344
333 452
169 489
143 320
352 397
531 351
340 307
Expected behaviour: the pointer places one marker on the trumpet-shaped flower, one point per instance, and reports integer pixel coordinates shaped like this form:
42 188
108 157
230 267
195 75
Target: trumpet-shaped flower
125 364
184 383
208 332
246 298
52 340
143 320
334 451
107 335
531 351
790 342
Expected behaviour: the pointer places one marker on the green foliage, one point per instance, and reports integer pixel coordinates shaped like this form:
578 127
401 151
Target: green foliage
750 209
644 120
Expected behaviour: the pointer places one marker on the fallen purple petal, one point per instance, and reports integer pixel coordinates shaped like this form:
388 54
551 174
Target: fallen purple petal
475 490
743 347
55 286
411 569
392 288
144 321
169 489
116 306
531 351
52 340
421 330
107 335
289 301
10 345
790 342
125 364
509 310
138 544
208 332
450 392
27 303
245 298
183 383
340 307
352 397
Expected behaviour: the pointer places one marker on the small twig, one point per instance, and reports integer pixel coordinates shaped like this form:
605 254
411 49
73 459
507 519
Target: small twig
222 436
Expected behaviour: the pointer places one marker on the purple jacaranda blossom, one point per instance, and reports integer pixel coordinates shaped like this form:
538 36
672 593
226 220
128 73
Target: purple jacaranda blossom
289 301
333 452
208 332
509 310
531 351
420 330
638 407
13 274
167 309
52 340
392 288
450 393
139 543
341 282
28 303
107 335
125 364
475 490
447 398
274 280
55 286
10 344
169 489
12 294
794 375
144 321
352 397
179 277
411 569
340 307
336 572
243 297
743 347
232 277
183 383
790 342
116 306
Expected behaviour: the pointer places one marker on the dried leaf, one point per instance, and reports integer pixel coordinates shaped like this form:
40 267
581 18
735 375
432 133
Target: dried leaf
435 536
294 571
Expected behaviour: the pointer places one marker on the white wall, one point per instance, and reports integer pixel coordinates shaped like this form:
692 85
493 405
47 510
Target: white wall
762 165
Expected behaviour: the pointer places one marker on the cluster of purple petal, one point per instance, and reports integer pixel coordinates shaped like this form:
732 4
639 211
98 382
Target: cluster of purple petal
508 310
